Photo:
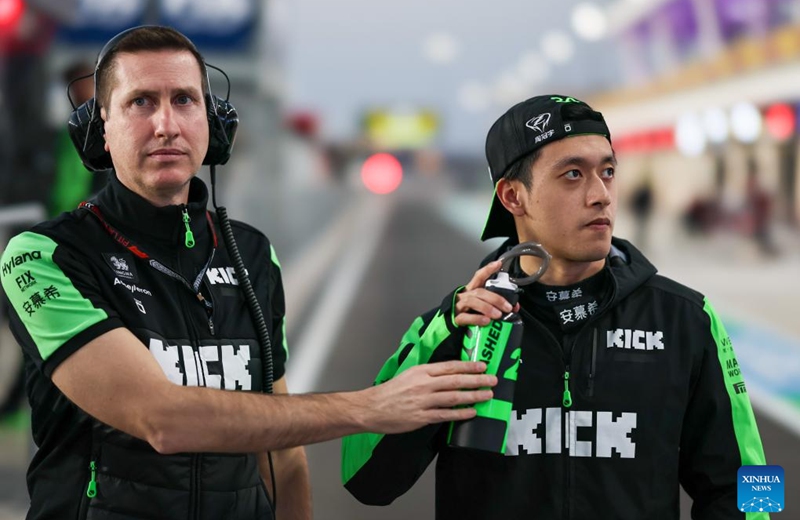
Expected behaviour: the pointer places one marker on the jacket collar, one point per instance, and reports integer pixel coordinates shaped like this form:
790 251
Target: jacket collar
628 266
134 215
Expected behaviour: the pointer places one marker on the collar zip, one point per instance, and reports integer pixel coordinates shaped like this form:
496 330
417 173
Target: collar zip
189 236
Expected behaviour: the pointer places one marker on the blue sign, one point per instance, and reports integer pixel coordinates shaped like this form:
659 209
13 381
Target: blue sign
760 489
100 20
212 24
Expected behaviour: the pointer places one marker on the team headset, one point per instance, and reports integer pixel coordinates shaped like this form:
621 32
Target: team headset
86 131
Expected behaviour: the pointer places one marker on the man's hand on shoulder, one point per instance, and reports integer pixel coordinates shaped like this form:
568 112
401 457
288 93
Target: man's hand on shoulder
427 394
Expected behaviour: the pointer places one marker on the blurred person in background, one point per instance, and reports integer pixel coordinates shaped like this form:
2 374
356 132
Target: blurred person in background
641 207
132 324
73 182
759 211
627 384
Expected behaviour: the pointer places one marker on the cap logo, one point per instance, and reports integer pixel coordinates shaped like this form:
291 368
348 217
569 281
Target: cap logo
559 99
539 123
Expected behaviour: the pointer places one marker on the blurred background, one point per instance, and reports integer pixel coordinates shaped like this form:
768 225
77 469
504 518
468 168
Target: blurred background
360 154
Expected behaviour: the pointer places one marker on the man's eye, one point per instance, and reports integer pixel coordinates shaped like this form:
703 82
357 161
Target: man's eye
609 172
183 100
573 174
140 102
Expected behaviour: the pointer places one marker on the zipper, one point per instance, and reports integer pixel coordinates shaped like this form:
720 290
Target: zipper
91 486
209 311
91 489
593 366
188 238
566 398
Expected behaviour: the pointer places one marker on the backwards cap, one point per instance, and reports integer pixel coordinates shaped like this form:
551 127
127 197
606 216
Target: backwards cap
523 129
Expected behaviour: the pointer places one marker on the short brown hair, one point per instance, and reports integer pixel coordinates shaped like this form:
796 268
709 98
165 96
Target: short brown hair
139 39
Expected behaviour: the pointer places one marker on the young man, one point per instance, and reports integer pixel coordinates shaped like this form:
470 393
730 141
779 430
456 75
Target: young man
627 384
132 324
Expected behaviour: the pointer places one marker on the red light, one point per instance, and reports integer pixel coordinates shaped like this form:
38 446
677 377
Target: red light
780 121
10 12
382 173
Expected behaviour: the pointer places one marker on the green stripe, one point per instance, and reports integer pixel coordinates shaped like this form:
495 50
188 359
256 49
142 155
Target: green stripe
274 256
357 449
283 337
52 310
744 421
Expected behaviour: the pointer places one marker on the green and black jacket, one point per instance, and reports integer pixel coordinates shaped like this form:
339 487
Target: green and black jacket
74 278
657 399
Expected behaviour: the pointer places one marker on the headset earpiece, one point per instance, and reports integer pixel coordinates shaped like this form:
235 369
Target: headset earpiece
86 131
223 121
86 125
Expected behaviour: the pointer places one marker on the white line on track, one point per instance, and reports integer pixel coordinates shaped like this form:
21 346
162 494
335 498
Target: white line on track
318 335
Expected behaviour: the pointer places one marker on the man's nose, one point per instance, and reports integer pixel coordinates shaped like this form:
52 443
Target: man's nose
165 122
599 191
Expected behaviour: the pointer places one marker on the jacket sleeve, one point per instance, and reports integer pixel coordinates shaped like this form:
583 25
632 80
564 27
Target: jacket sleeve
378 468
719 432
280 349
56 306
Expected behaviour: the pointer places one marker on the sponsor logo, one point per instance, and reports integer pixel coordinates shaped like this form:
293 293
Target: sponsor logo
222 275
25 281
489 345
18 260
559 99
732 366
539 123
224 366
577 313
140 306
598 434
122 266
635 339
760 489
119 264
38 299
132 288
740 388
563 296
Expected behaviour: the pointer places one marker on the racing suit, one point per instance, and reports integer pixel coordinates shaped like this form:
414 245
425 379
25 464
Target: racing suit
121 262
657 398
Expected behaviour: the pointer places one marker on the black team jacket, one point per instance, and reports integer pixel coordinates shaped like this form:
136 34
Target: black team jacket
657 400
84 273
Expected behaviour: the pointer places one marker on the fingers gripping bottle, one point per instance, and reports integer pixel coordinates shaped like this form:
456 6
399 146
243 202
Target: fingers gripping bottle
497 344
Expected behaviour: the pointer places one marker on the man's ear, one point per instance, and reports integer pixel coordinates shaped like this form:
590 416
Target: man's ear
104 118
511 195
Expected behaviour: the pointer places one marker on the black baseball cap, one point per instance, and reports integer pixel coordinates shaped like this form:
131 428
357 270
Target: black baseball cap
524 128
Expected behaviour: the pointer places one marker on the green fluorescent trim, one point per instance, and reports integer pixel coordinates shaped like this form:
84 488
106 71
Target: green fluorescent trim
357 449
453 304
59 310
744 422
274 256
283 337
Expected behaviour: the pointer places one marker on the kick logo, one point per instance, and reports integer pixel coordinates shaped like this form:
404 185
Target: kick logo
222 275
760 489
579 433
635 339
